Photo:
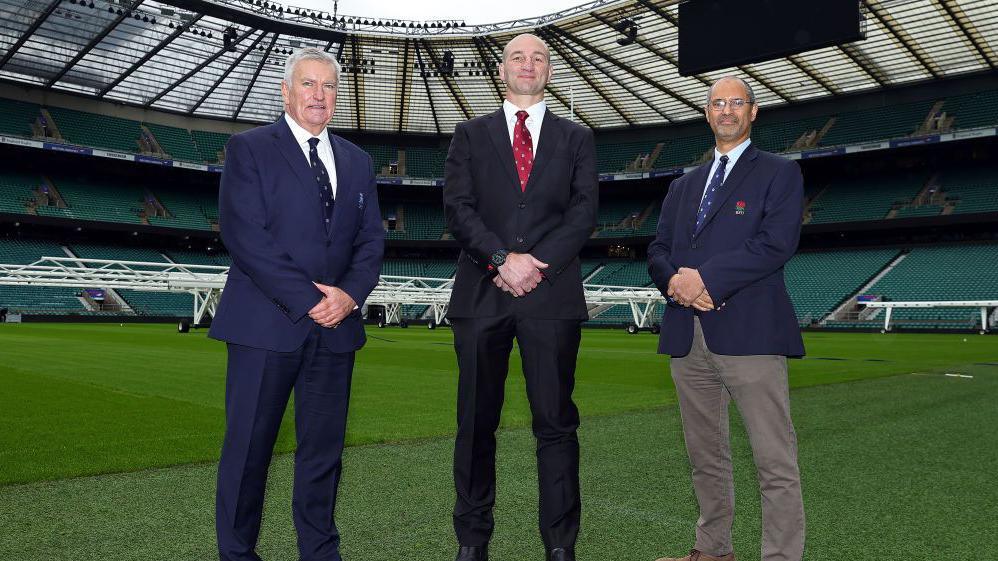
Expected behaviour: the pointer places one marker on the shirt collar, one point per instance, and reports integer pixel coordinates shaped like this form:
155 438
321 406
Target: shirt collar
301 135
734 153
535 111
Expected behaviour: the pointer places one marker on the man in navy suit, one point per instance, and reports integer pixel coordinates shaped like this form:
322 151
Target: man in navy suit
298 212
521 222
725 232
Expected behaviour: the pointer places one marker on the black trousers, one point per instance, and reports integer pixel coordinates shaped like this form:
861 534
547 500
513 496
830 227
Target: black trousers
548 349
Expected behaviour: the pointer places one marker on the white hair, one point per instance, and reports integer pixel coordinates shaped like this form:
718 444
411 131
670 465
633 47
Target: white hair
310 53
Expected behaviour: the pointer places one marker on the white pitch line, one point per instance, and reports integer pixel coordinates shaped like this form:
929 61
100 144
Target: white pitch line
952 375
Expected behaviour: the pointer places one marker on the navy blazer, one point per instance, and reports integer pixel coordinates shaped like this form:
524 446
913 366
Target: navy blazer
751 231
551 219
273 228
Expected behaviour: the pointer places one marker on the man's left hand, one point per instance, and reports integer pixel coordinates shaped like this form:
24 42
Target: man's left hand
687 286
340 305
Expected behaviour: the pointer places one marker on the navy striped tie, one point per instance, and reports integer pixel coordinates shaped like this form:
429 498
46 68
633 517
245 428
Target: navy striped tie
322 180
708 197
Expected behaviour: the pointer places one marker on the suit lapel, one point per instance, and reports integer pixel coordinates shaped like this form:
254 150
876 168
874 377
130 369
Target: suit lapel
499 133
289 148
547 146
344 194
693 194
737 174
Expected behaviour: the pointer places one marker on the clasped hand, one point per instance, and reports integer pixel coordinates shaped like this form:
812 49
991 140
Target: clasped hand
520 274
334 307
687 288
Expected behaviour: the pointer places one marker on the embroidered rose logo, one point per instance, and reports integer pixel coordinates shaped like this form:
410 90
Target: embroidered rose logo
740 208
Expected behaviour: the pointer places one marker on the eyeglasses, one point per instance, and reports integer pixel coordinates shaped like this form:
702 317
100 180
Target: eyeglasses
735 102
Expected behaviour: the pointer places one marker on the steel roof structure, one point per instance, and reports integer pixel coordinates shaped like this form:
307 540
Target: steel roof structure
224 59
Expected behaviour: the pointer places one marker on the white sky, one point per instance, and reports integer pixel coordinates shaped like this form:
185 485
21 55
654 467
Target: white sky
472 12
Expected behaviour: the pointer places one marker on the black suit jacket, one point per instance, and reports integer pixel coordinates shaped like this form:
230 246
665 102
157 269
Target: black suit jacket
551 219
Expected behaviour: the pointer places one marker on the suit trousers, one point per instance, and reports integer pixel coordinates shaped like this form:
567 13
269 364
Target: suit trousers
258 385
548 349
706 383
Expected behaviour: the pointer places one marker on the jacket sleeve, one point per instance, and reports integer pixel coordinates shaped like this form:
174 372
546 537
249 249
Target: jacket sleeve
660 265
562 244
368 246
461 204
770 248
242 219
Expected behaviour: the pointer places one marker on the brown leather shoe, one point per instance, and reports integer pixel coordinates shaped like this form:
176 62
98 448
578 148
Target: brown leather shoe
699 556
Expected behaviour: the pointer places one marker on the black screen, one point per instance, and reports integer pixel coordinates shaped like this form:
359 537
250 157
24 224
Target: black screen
717 34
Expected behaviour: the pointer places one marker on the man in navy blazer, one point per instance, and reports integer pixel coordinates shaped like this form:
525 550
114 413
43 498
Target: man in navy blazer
725 232
298 212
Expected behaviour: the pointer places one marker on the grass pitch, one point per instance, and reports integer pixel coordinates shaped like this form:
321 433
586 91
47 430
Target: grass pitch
899 462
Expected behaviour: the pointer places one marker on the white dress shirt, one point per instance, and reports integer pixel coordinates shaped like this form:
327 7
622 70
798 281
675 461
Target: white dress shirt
324 148
733 156
535 117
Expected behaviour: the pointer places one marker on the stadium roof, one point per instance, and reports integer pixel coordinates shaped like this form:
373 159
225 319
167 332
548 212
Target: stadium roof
224 58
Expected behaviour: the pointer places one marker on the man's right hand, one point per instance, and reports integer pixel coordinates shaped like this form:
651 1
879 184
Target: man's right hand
521 272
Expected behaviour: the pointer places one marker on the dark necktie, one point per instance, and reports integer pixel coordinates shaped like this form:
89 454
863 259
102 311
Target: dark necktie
523 149
708 197
321 180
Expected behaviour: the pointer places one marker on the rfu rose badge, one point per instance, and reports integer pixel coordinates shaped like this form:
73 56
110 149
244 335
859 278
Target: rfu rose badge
740 208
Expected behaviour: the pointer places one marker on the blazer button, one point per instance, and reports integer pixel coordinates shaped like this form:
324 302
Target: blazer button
519 239
521 205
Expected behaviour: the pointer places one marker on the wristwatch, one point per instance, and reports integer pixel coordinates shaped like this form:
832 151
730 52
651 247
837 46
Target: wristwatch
497 259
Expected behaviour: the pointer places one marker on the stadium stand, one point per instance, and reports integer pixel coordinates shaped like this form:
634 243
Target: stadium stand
622 273
209 145
177 142
970 190
101 131
972 110
427 268
96 201
819 281
16 191
191 257
187 210
414 221
878 123
864 198
16 117
38 300
936 274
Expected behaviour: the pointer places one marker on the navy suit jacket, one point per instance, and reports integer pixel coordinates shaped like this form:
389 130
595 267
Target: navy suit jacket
751 231
272 225
551 219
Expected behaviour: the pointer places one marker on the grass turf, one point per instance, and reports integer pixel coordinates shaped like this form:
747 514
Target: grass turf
90 399
897 467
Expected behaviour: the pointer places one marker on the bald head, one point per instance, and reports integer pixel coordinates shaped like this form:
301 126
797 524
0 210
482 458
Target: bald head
525 43
749 95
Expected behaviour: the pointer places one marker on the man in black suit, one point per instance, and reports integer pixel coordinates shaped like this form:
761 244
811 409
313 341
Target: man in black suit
521 223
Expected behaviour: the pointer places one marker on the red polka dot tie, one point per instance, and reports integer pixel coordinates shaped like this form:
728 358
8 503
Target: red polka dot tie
523 149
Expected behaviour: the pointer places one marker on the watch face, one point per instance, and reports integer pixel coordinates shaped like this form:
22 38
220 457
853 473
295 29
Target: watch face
498 258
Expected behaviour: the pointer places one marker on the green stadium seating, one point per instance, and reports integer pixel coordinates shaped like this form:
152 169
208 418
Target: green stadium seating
870 198
971 189
972 110
176 142
188 210
36 300
16 190
818 282
16 117
416 221
622 273
191 257
209 144
778 136
95 201
424 162
879 123
101 131
427 268
965 272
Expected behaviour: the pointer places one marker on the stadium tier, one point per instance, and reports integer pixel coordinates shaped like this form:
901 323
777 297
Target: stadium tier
970 190
819 282
17 191
16 117
413 221
964 111
190 257
87 200
186 210
939 274
879 123
37 300
864 198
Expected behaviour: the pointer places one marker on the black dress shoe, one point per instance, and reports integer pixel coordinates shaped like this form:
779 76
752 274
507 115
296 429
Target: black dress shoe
561 554
474 553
